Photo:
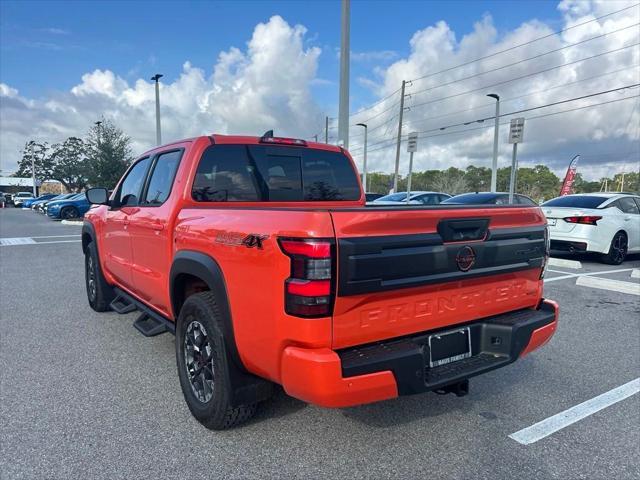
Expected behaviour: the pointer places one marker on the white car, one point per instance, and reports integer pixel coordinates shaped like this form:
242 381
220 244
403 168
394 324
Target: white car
606 223
415 198
20 197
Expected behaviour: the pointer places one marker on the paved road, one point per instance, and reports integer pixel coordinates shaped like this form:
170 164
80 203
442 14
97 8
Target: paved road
83 395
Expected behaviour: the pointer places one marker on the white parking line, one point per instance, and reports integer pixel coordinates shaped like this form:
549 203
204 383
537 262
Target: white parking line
575 275
609 284
635 273
11 242
572 415
563 262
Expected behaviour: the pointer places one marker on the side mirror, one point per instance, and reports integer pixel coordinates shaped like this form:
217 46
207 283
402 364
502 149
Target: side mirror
98 196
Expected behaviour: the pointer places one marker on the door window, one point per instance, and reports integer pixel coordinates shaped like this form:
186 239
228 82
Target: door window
129 192
627 205
162 176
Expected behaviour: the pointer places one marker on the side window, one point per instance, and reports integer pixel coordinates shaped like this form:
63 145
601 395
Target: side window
132 184
162 177
627 205
224 175
501 200
637 199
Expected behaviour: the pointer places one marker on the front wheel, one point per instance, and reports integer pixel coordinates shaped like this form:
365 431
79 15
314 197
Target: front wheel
617 250
68 213
99 293
203 365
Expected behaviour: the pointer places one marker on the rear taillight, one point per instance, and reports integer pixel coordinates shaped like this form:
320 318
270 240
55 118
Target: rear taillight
547 251
585 220
309 289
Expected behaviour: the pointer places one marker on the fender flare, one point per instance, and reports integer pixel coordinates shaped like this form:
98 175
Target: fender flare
246 388
88 230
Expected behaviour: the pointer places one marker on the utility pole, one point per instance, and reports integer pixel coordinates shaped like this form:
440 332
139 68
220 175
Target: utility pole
326 129
494 164
343 111
364 163
395 175
315 138
157 77
33 174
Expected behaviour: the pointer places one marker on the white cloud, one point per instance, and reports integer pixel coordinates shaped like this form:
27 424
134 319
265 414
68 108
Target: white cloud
265 86
598 131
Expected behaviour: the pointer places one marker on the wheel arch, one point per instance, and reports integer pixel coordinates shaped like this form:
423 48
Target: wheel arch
88 236
187 264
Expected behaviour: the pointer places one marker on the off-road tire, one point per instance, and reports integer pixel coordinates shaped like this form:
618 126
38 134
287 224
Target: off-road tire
216 413
101 294
617 249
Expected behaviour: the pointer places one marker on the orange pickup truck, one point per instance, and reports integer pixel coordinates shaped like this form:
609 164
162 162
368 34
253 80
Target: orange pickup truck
260 255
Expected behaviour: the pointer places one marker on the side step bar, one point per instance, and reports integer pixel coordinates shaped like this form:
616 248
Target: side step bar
150 323
122 305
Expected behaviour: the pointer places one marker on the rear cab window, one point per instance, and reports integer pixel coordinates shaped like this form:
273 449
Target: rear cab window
576 201
260 173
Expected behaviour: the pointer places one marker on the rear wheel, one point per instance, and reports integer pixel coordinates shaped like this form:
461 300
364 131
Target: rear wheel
203 364
617 250
68 213
99 293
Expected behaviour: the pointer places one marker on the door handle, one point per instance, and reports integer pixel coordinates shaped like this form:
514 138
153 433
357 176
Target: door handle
126 222
158 226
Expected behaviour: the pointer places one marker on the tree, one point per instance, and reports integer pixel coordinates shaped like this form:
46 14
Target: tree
108 154
451 181
478 178
38 155
69 164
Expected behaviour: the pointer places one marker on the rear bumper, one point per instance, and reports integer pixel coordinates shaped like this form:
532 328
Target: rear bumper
384 370
580 239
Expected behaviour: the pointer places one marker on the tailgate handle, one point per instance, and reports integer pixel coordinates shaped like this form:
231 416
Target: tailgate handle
463 229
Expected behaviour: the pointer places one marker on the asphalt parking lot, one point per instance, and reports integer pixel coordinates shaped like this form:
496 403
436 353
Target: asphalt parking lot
84 395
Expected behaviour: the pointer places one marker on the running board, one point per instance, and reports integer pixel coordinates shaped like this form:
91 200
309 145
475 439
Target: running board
122 305
150 322
149 326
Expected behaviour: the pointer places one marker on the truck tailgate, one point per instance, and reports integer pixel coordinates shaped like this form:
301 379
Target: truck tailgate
441 266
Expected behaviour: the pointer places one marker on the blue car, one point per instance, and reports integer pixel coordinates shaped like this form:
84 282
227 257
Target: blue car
46 196
39 203
73 207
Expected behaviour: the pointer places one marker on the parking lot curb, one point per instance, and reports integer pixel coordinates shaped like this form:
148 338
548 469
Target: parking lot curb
71 222
563 262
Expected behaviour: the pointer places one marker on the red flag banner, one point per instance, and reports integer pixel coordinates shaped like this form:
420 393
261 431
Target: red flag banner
569 177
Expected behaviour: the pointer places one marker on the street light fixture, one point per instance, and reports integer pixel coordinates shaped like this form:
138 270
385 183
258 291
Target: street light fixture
364 163
157 77
494 165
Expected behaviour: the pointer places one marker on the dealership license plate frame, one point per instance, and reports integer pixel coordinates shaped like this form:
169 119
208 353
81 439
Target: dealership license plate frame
442 338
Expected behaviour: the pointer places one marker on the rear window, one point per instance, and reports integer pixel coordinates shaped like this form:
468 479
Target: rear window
477 198
576 201
259 173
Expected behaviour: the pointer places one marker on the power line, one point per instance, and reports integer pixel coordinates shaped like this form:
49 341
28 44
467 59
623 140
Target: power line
522 61
509 99
481 120
485 87
483 127
523 44
503 100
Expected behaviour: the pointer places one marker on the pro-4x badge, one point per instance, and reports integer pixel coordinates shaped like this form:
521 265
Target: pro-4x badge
236 238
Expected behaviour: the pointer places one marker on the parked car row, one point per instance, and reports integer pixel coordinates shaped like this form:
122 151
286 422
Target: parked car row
604 223
66 206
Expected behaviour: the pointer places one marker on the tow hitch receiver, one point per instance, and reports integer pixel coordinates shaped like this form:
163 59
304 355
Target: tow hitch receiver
460 389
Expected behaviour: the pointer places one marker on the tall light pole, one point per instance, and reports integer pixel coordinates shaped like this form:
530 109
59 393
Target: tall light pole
364 163
494 164
99 131
157 77
343 108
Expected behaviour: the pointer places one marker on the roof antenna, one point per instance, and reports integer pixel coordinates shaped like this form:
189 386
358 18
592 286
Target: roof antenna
268 134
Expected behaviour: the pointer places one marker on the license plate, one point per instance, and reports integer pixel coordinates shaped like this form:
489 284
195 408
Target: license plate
551 222
448 347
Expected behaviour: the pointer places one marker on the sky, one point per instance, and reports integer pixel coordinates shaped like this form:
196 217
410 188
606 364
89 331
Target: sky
247 67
